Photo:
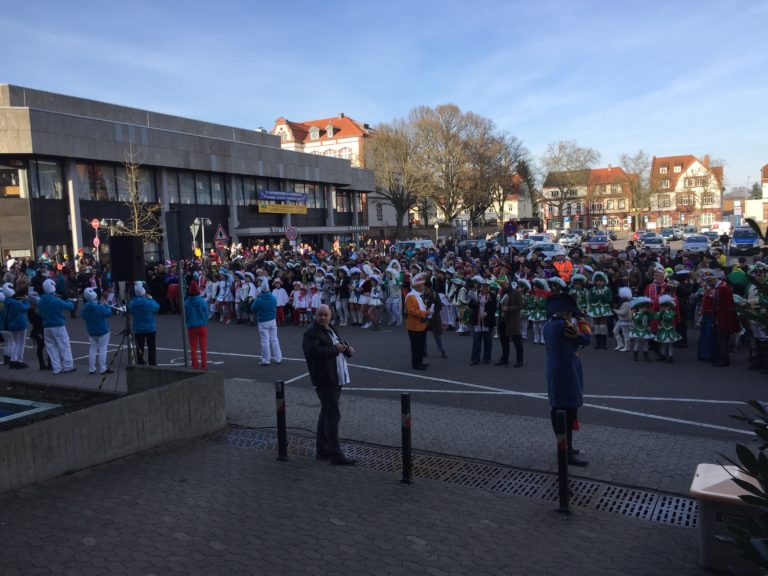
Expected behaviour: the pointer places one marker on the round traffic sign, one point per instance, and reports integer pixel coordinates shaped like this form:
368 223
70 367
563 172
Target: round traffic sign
96 242
95 224
510 227
291 233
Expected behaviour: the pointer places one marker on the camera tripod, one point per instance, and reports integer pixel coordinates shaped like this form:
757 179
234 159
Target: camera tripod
128 341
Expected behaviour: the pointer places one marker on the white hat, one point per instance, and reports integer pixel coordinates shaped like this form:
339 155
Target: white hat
666 299
8 290
139 289
49 286
419 280
89 294
10 263
625 293
557 280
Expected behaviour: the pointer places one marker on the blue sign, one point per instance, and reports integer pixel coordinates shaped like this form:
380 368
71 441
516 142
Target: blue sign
510 227
566 219
275 196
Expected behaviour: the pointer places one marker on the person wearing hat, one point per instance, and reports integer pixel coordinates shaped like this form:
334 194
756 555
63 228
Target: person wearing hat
666 335
95 316
417 320
718 319
36 334
623 320
51 307
640 331
14 326
281 298
196 313
599 300
563 266
538 308
482 321
143 310
265 309
565 378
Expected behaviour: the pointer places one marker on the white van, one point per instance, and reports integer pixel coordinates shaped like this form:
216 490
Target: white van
411 246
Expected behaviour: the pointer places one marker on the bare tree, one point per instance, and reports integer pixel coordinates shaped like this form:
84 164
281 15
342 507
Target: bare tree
442 133
567 166
400 178
638 168
142 218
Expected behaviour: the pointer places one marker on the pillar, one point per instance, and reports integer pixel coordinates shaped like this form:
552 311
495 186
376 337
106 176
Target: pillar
233 224
165 206
75 223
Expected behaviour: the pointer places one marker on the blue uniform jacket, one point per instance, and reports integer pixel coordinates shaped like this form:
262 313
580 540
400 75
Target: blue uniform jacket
15 313
565 381
143 310
51 308
196 311
265 307
95 316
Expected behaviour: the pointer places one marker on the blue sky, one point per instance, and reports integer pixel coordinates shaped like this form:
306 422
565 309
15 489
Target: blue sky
668 77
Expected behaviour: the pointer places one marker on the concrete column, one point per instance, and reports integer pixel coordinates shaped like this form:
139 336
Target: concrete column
330 203
355 215
232 201
75 224
165 205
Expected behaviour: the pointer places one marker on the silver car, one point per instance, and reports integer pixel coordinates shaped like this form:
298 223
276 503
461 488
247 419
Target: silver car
569 240
696 244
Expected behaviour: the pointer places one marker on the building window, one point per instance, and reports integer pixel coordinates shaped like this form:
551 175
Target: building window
218 194
614 189
314 133
664 201
663 170
329 130
49 183
330 153
595 206
186 188
665 184
665 220
239 199
172 186
708 198
622 204
578 207
379 212
203 188
250 185
284 136
345 153
678 168
610 205
13 179
684 200
598 189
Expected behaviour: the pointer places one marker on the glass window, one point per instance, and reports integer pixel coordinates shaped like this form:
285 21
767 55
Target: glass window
379 212
147 192
203 187
13 179
82 182
186 188
289 186
238 181
610 205
218 194
123 190
250 185
51 186
103 186
172 186
622 204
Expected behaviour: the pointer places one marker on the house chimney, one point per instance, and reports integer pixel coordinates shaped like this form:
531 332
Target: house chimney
706 160
341 114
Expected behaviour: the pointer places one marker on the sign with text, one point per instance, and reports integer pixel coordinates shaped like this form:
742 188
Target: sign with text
275 202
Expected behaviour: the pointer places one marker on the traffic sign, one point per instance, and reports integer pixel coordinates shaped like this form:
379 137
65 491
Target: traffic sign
194 228
291 233
510 228
220 244
95 224
220 235
605 219
96 241
566 218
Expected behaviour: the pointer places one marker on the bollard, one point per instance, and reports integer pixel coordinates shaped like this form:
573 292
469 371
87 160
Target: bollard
562 460
282 434
405 413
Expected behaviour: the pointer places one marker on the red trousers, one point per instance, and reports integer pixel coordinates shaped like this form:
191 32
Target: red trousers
280 315
198 336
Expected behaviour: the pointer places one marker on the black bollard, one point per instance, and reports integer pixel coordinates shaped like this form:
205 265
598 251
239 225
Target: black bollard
562 460
282 434
405 413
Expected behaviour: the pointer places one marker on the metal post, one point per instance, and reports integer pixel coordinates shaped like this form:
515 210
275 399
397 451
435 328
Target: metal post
282 435
181 292
202 225
562 460
405 412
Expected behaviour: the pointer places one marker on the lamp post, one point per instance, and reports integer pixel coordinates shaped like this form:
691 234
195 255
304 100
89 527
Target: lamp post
110 224
203 222
437 227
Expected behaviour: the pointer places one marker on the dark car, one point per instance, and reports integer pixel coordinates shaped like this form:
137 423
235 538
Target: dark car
612 235
714 238
598 243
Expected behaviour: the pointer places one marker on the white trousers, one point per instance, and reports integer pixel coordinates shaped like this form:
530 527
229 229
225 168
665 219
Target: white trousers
270 347
57 346
98 350
14 344
395 311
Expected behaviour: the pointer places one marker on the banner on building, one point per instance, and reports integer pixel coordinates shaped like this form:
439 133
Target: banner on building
275 202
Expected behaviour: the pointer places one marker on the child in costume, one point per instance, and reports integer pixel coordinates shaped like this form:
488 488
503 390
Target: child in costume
599 300
623 320
579 291
641 330
525 288
282 299
666 335
538 310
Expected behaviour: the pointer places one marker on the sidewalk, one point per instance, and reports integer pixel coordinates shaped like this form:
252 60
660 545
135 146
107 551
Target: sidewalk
207 508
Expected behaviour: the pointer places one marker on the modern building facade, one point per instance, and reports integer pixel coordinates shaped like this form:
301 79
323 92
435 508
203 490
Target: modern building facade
63 164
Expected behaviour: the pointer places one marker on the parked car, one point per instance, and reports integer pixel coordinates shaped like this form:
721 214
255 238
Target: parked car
689 231
598 243
613 235
714 238
698 243
637 233
641 240
668 234
657 245
569 240
535 238
524 233
744 241
522 246
678 232
580 233
548 249
476 246
411 246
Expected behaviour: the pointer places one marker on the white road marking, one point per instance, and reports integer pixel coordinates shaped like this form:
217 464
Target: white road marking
295 378
669 419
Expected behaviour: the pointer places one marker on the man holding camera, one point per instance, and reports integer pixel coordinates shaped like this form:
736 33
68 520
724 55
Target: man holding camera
326 355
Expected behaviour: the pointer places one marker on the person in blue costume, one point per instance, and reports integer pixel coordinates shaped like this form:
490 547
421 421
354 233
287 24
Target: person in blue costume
14 324
97 325
143 310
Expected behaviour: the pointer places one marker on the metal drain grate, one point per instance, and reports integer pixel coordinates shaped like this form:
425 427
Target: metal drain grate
640 504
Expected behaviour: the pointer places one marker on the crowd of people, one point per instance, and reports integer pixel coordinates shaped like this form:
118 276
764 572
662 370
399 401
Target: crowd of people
646 302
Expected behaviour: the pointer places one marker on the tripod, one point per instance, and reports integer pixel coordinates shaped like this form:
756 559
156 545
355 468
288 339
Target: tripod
128 341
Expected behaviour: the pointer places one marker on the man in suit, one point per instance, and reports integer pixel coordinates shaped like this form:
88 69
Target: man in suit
326 356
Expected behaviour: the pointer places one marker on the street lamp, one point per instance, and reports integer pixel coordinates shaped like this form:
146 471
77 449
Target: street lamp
437 226
111 223
203 222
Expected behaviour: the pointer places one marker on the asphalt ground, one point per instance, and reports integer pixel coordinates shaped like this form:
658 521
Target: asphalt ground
687 397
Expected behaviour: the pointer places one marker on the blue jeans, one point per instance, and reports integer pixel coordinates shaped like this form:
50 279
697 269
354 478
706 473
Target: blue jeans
484 340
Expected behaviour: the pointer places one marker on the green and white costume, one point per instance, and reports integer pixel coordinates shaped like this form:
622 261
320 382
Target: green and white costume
666 333
641 320
599 302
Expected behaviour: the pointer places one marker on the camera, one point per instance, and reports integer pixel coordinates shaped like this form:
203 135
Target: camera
346 352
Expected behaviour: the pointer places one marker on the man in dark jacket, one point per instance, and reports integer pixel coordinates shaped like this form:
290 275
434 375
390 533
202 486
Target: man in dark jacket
482 319
326 355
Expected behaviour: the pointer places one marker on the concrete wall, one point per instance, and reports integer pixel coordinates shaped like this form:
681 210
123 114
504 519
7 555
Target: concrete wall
189 405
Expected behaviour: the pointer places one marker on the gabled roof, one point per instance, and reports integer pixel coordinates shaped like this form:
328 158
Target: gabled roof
610 175
343 127
685 162
764 172
567 178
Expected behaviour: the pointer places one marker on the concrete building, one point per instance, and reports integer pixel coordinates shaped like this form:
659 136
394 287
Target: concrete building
62 162
685 191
